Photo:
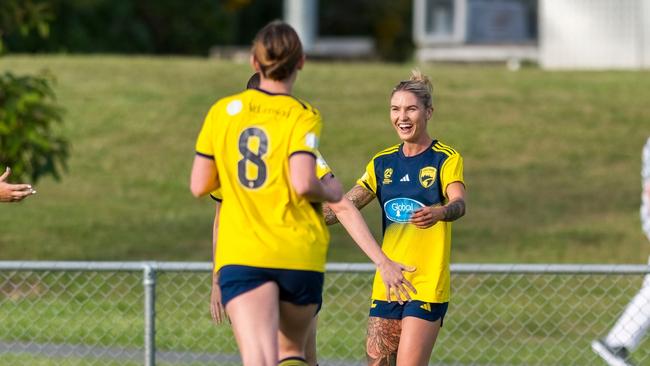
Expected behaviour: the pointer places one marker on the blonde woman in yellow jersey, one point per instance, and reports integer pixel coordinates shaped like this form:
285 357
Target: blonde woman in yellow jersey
259 147
351 219
420 187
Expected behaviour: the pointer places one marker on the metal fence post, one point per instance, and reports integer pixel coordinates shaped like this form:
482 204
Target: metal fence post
149 283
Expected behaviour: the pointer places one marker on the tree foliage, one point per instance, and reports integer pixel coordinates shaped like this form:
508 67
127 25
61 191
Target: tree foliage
29 142
182 27
22 16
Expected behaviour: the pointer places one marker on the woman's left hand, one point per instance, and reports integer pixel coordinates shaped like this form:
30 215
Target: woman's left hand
392 274
426 216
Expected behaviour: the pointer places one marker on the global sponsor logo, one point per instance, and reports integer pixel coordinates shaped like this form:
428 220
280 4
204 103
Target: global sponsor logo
401 209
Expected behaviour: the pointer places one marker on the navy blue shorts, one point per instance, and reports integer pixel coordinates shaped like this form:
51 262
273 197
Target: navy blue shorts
296 287
430 311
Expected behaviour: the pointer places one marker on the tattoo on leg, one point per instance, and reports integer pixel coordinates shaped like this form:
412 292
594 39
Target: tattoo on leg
382 341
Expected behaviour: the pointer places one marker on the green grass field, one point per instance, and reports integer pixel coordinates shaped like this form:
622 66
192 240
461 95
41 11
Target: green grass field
551 158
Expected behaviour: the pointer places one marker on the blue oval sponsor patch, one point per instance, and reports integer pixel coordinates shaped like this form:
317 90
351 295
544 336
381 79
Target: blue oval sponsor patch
401 209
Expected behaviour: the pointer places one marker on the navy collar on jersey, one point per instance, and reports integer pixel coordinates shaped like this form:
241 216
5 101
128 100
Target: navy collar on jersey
269 93
282 94
401 150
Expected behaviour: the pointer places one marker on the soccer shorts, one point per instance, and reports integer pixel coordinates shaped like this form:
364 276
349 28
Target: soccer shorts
297 287
430 311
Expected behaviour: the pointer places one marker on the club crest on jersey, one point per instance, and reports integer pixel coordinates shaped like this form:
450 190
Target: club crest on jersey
388 173
428 176
401 209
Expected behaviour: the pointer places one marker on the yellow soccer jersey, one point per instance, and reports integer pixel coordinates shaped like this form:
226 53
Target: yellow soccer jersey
322 169
403 184
263 222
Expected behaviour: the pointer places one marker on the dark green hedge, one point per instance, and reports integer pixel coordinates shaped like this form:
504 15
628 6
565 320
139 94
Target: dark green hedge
192 27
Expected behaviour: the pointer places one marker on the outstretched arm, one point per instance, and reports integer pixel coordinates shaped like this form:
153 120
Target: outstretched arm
359 197
351 219
13 192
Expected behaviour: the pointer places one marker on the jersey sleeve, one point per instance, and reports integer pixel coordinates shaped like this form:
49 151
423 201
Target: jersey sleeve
369 178
204 145
322 169
216 195
306 134
451 171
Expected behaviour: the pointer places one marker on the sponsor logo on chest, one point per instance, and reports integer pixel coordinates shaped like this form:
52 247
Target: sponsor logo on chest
401 209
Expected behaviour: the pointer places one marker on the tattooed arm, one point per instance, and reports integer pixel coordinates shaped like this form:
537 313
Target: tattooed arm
358 195
453 210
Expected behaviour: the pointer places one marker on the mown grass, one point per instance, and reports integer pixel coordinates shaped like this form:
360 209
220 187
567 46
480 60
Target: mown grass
551 158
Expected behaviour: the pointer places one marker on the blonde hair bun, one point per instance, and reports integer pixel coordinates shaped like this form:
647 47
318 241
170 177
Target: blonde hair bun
418 77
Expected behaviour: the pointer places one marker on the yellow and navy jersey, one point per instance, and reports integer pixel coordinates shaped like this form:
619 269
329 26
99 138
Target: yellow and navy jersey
322 170
263 222
402 185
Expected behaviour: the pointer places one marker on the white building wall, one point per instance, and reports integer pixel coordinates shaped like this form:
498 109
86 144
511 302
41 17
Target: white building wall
644 42
596 34
302 15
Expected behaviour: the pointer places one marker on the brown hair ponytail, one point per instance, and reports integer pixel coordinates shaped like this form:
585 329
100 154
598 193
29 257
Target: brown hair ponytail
278 50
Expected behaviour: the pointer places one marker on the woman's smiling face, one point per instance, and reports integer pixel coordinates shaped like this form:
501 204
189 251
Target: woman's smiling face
408 116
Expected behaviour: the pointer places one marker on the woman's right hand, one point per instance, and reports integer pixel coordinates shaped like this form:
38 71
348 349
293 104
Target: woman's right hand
216 307
392 273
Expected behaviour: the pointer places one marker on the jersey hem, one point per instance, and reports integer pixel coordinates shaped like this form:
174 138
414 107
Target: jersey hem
211 157
289 266
432 300
303 152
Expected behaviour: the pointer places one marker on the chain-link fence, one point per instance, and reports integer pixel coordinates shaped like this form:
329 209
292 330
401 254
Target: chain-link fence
87 313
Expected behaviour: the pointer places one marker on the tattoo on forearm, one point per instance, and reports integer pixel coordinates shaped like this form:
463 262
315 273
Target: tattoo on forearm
328 214
454 210
382 341
360 196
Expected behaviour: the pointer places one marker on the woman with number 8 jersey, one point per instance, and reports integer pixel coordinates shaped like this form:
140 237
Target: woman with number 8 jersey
259 147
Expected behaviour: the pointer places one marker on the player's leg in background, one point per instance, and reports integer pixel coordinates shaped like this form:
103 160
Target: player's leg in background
634 322
417 340
294 326
310 346
382 341
254 317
